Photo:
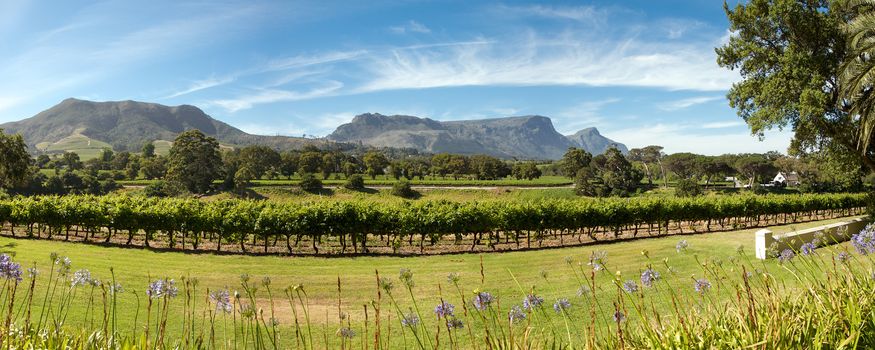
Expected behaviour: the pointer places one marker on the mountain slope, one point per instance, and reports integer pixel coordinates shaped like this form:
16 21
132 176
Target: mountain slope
527 137
591 140
127 125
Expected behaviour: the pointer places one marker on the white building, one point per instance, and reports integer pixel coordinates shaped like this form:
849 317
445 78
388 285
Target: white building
786 179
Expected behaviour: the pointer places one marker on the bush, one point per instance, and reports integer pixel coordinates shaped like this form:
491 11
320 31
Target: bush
687 188
355 182
310 183
163 188
402 189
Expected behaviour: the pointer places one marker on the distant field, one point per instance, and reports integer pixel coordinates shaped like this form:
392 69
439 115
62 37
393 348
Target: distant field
84 146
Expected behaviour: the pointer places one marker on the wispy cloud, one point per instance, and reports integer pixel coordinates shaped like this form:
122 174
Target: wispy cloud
575 13
723 125
688 138
410 27
201 85
274 95
581 115
688 102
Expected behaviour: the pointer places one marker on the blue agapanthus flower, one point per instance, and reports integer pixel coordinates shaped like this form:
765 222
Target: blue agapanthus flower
649 276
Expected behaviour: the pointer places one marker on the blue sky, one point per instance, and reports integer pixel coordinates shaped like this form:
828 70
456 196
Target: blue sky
643 72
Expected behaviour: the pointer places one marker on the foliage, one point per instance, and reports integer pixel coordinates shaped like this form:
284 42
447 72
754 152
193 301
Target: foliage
14 161
687 188
163 189
194 161
355 182
310 183
526 170
574 160
402 189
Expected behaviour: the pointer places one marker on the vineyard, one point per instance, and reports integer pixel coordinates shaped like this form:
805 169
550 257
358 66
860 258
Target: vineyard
345 227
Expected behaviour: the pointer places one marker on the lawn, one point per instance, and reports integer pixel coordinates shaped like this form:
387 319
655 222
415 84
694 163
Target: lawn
506 275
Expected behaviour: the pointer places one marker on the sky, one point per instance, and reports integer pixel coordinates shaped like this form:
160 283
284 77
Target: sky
643 72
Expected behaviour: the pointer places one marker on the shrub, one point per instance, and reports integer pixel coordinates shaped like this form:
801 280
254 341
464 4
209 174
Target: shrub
355 182
402 189
163 188
310 183
687 188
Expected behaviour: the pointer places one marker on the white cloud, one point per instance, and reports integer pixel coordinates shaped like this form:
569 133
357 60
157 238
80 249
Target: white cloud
410 27
582 115
575 13
565 60
722 125
201 85
274 95
688 102
689 138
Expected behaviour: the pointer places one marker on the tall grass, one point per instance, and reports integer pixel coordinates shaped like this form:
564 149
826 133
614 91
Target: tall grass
819 297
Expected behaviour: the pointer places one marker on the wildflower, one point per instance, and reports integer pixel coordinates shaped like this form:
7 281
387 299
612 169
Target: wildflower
739 249
8 269
95 282
681 246
516 314
843 257
482 300
244 278
786 255
453 277
649 276
444 310
386 284
532 301
222 299
569 260
116 289
561 304
346 332
162 288
265 281
702 285
410 320
583 290
619 316
630 286
598 259
80 278
808 248
864 241
406 277
247 311
455 323
32 272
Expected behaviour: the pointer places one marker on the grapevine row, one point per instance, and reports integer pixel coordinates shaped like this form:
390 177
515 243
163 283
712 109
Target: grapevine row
356 224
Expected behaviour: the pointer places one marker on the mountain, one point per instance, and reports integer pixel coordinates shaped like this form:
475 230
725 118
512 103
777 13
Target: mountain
127 125
593 142
527 137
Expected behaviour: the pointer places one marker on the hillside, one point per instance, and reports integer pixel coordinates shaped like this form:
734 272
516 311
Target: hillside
527 137
126 125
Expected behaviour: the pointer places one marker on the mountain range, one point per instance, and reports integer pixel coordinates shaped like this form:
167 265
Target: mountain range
87 127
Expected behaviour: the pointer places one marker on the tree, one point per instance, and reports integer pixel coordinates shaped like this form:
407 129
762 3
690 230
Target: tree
148 150
488 168
71 161
789 54
526 170
194 161
618 175
375 162
754 167
289 163
684 165
857 73
310 162
153 168
42 161
574 160
259 159
14 161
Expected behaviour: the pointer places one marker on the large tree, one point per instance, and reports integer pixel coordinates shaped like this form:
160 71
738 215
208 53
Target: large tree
574 160
789 54
14 160
194 161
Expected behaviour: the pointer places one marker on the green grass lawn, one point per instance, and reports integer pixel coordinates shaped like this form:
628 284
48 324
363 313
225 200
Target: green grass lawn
507 275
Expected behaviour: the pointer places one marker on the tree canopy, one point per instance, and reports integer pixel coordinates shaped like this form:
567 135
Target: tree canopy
194 161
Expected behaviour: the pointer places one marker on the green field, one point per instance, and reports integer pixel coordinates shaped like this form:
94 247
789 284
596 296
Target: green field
82 145
509 276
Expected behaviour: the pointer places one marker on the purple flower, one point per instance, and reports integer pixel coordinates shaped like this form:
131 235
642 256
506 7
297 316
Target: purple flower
32 272
9 269
808 248
346 332
843 257
786 255
80 278
630 286
561 304
702 285
482 300
649 276
516 314
864 241
532 301
162 288
598 259
619 316
681 246
455 323
222 299
410 320
444 310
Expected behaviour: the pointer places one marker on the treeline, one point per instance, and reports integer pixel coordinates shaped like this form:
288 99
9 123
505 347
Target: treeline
355 224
